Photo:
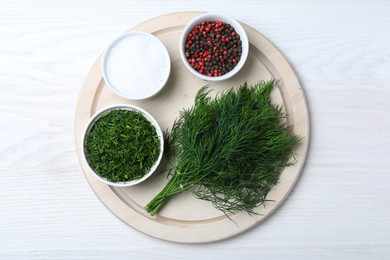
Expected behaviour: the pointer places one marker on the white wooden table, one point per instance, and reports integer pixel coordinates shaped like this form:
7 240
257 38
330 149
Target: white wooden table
340 207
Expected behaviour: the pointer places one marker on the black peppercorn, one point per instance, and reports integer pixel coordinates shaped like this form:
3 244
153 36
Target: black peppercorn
213 48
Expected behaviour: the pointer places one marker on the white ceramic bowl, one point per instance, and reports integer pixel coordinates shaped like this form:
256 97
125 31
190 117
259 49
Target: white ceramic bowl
149 117
136 65
215 17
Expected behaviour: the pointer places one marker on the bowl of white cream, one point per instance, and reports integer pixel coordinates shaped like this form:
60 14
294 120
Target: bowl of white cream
136 65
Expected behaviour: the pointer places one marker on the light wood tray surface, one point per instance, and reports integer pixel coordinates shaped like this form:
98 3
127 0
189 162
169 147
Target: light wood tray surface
186 219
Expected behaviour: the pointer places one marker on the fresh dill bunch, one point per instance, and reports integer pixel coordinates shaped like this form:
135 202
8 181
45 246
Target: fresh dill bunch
230 149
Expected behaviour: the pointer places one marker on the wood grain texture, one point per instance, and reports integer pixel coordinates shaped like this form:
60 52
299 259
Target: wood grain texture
338 209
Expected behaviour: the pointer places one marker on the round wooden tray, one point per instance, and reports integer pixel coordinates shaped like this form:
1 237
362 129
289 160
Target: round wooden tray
186 219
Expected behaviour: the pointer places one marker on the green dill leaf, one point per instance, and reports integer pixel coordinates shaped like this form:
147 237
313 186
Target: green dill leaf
230 149
122 146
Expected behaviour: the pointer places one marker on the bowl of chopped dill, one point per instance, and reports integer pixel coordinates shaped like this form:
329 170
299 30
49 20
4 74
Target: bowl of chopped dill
122 145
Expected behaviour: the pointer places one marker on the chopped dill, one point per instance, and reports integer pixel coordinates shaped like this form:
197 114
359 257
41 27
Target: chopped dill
122 146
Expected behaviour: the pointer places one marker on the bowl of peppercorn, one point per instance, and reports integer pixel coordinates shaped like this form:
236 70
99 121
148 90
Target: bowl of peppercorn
214 47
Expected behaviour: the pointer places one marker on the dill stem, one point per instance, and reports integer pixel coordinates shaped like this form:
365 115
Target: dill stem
171 188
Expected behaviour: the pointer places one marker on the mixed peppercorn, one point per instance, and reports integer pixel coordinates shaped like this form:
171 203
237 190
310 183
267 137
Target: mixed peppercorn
213 48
